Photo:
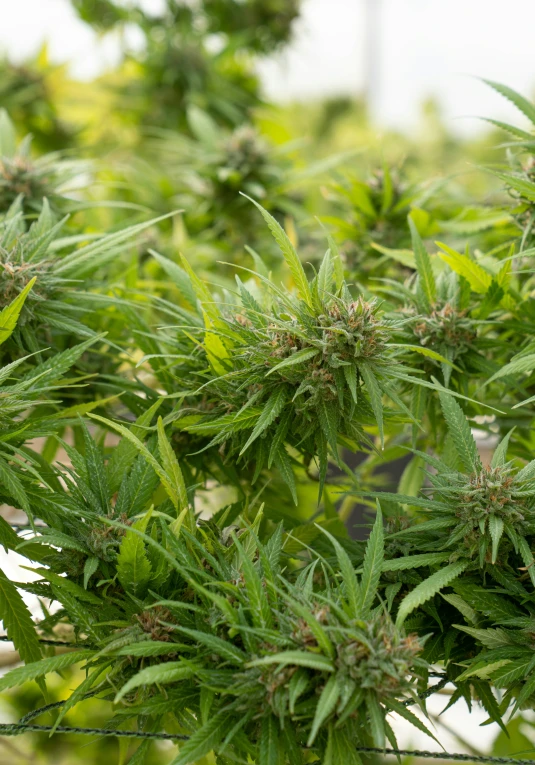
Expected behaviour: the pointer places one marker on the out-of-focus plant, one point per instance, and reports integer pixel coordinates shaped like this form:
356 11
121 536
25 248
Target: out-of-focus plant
28 94
179 67
28 180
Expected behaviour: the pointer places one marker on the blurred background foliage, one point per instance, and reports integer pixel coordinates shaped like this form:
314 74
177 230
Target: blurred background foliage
181 124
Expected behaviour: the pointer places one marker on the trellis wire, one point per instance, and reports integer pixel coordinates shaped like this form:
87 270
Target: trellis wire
16 729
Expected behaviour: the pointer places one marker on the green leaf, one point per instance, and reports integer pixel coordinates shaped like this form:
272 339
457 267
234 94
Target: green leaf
133 565
329 415
295 358
414 561
90 257
515 367
269 741
18 622
296 687
179 277
428 588
496 531
402 711
298 658
478 279
325 276
290 255
374 392
377 719
423 266
354 596
325 706
217 645
372 567
521 103
350 374
499 458
38 669
12 486
422 350
461 605
167 481
527 558
204 740
259 605
270 412
172 469
216 350
461 433
201 291
10 314
340 748
90 566
489 702
96 471
162 674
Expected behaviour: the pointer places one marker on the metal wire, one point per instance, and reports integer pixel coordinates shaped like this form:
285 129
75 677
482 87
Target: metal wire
16 729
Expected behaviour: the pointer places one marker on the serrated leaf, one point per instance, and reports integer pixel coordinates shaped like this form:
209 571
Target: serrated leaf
372 566
179 277
375 394
41 668
215 348
461 605
10 314
414 561
325 706
162 674
515 367
259 605
133 565
299 658
17 621
166 480
402 711
352 588
423 266
96 472
428 588
217 645
479 279
269 414
296 687
90 566
295 358
172 469
496 531
521 103
461 433
269 741
204 740
499 458
290 255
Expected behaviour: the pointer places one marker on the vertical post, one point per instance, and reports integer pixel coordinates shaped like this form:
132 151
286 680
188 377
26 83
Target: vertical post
372 55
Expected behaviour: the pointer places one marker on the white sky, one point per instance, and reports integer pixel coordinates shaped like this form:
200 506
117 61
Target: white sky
423 47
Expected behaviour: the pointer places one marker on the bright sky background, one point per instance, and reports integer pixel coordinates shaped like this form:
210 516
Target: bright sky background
422 47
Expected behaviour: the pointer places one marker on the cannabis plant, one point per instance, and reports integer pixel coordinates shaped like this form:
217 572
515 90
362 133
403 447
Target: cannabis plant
22 177
183 456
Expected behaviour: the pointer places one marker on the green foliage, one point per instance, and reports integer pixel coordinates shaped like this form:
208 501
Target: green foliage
29 180
179 447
